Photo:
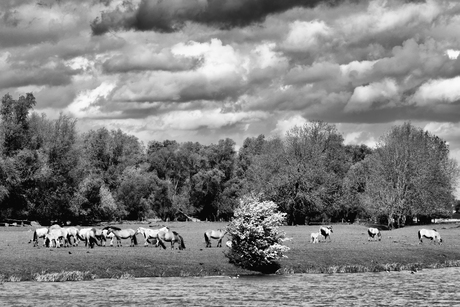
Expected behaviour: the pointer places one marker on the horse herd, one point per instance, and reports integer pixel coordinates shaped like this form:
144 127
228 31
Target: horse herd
56 236
375 234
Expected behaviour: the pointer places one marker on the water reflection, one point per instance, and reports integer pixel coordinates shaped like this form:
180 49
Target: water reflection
424 288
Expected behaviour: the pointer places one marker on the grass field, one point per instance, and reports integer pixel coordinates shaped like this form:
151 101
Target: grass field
348 251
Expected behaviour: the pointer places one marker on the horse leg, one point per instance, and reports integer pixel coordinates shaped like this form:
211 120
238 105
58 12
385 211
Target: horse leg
161 243
219 243
208 241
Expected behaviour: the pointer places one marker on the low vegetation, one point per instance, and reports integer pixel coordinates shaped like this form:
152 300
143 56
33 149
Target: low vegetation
63 276
348 251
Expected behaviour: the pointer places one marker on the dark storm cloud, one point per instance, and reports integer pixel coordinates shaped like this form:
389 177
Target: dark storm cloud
171 15
24 76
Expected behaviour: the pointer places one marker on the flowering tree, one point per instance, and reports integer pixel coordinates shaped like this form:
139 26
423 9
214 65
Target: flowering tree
257 241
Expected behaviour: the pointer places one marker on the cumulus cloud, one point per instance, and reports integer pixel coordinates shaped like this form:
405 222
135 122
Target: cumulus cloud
377 95
438 91
283 125
304 36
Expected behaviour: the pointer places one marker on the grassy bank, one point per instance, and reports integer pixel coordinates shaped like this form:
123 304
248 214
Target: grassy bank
349 251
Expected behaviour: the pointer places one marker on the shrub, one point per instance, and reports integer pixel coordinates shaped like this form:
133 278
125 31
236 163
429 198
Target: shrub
257 241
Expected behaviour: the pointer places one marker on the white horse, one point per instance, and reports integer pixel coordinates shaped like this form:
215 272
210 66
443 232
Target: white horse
119 234
374 233
214 234
431 234
72 232
88 235
149 234
108 235
54 236
314 237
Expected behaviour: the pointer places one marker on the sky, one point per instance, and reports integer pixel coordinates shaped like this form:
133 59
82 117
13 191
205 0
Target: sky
205 70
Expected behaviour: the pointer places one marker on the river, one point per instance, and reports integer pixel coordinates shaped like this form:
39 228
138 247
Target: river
423 288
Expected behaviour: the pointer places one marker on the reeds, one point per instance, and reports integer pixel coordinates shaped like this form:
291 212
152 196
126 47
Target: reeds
11 278
63 276
387 267
125 275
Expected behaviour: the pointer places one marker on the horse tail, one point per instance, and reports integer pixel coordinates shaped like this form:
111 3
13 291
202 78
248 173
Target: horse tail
35 238
206 239
134 239
182 244
80 237
92 238
419 235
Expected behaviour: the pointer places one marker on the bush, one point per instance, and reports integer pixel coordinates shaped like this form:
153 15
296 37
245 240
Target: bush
257 241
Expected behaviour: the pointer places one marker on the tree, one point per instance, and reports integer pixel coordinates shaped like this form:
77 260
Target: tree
15 122
410 174
143 195
302 172
257 241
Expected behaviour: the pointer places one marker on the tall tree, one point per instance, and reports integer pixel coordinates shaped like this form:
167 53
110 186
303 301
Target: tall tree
15 122
410 174
302 172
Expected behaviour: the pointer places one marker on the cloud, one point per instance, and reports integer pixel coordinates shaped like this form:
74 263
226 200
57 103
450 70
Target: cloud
283 125
438 91
170 16
379 94
383 16
304 36
87 105
141 59
453 54
52 74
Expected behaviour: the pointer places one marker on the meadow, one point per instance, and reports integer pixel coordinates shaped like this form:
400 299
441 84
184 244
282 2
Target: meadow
348 251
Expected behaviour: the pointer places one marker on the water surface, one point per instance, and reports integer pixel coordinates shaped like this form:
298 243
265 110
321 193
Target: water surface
424 288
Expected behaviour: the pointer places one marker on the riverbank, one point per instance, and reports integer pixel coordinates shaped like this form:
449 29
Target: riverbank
348 251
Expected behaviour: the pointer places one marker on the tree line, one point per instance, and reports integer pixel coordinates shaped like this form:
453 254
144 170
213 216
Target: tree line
51 173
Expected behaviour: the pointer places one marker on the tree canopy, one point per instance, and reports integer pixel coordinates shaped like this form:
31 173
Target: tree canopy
51 172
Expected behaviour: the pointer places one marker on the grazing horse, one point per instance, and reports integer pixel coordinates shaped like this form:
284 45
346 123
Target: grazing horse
54 236
150 234
108 235
431 234
122 234
214 234
72 232
102 234
88 235
326 231
170 236
314 237
374 233
39 233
